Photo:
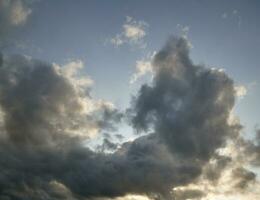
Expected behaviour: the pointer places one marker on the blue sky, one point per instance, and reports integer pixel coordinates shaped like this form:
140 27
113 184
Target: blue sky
224 34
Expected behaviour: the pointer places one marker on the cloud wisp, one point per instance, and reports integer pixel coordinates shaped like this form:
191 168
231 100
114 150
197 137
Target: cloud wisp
133 33
142 67
13 13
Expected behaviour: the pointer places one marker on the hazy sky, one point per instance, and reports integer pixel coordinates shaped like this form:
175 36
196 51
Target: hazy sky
109 49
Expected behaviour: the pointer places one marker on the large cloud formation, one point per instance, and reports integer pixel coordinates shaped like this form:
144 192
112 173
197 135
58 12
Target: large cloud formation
47 113
42 111
47 117
187 105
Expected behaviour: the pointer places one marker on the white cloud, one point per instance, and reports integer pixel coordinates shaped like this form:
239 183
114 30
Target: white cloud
133 32
19 13
142 67
72 71
15 12
241 91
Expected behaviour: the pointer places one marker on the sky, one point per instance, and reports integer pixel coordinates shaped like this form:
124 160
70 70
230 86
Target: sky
129 99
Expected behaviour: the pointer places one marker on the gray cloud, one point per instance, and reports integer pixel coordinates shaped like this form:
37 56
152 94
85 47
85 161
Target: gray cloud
46 117
187 105
41 109
188 194
252 149
244 177
214 171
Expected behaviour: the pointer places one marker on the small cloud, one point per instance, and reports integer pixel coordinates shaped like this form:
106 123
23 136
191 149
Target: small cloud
19 13
241 91
133 32
142 67
14 12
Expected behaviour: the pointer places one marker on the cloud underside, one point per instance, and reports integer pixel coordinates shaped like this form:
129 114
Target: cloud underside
47 113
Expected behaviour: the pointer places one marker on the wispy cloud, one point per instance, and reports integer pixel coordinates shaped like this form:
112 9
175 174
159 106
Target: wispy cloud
13 14
133 33
234 14
142 67
183 31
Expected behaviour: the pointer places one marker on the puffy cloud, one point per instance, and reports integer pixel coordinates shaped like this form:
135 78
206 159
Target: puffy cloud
43 112
142 67
132 33
134 30
189 107
241 91
47 114
185 103
42 102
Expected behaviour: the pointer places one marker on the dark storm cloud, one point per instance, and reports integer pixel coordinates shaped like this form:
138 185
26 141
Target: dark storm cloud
142 167
243 177
32 96
39 107
187 105
186 108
